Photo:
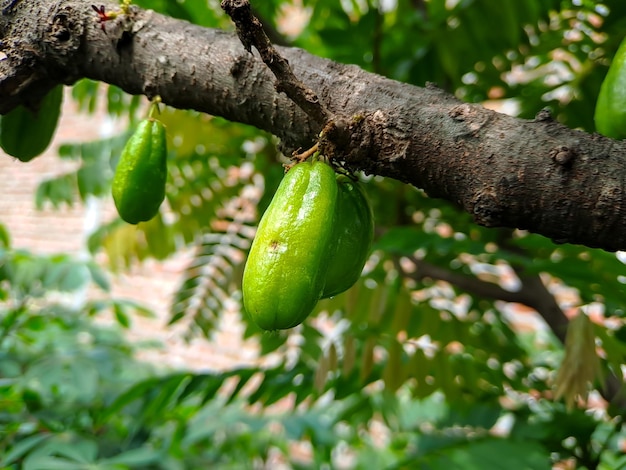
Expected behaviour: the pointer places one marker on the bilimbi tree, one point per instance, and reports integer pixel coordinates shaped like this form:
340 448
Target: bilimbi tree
476 210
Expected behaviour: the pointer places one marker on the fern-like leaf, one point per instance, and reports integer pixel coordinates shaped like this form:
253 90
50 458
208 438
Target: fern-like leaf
210 281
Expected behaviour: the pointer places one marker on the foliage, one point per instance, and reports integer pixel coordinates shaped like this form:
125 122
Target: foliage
417 366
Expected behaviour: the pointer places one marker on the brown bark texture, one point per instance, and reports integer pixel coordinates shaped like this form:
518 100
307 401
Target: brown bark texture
535 174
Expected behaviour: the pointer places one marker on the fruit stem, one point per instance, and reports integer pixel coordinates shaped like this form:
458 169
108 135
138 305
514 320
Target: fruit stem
154 107
306 154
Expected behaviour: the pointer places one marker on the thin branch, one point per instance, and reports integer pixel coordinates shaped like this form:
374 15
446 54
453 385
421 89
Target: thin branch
251 33
272 33
468 283
533 294
537 296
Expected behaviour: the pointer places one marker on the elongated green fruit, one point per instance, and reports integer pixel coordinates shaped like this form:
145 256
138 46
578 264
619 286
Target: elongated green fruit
25 134
352 237
610 114
286 269
139 181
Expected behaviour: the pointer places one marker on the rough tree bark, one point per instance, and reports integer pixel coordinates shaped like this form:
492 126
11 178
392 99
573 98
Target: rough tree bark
528 174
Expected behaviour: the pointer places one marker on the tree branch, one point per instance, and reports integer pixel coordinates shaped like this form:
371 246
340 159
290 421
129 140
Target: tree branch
425 270
507 172
533 293
251 33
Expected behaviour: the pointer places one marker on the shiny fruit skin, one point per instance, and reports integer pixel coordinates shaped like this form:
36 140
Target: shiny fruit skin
352 237
139 182
25 134
286 269
610 113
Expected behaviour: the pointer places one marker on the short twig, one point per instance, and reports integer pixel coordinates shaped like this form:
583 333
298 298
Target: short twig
300 157
250 32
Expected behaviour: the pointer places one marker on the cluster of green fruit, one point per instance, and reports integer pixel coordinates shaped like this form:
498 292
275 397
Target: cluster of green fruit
312 243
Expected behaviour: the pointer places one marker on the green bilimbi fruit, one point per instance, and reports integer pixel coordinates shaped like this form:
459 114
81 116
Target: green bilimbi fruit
139 181
286 269
610 115
25 134
352 237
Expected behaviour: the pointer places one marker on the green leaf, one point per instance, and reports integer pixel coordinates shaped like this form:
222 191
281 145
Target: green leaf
99 276
135 392
207 281
58 191
483 454
66 275
490 453
134 457
195 11
5 238
26 271
93 178
83 451
159 237
23 447
51 463
120 316
85 92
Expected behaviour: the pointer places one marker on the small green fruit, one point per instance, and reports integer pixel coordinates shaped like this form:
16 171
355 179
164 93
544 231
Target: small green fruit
139 181
352 237
25 134
610 114
286 269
